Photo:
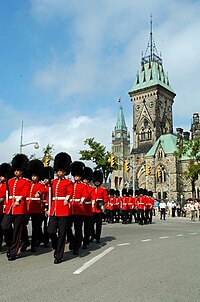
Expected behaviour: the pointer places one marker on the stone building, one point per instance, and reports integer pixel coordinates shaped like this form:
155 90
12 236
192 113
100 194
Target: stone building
153 163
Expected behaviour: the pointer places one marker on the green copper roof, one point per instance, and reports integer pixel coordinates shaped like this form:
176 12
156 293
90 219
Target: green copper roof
121 124
151 73
167 142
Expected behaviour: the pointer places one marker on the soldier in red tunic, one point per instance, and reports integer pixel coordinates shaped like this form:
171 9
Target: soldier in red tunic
78 195
99 197
34 201
60 211
141 207
5 174
15 207
87 218
48 176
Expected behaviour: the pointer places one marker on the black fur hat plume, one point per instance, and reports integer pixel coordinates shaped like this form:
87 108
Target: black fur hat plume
62 161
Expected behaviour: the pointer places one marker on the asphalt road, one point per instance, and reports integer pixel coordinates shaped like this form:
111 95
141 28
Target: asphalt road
158 262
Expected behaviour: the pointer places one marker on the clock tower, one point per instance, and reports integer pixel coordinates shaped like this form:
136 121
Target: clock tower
152 97
121 151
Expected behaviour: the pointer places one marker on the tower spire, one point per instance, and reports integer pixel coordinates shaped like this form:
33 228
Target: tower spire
151 38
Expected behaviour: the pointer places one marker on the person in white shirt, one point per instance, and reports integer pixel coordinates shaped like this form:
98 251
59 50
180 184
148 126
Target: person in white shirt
162 206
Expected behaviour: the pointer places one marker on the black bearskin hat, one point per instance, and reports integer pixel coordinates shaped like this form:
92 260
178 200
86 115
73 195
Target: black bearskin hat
62 161
141 191
48 173
35 167
112 192
130 192
117 193
97 176
77 168
6 170
145 192
20 162
87 174
150 193
136 192
124 192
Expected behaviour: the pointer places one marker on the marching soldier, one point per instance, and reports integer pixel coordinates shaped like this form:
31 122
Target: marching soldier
15 208
5 174
117 205
87 219
78 195
140 207
124 206
60 211
48 176
130 205
99 198
111 205
35 199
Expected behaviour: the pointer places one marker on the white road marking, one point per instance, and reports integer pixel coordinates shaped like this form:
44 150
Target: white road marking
123 244
92 261
164 237
180 235
193 233
146 240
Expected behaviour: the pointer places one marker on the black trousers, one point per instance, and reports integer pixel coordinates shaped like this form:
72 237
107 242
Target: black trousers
162 213
36 220
17 222
78 236
140 216
57 229
97 220
1 231
87 224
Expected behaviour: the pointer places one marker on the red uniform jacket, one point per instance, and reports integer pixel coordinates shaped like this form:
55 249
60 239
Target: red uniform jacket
88 202
35 204
2 196
60 189
148 203
78 194
101 194
141 203
117 203
18 191
124 203
111 203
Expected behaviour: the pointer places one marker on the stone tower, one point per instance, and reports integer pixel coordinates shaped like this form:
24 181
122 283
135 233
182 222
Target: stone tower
152 98
121 150
195 127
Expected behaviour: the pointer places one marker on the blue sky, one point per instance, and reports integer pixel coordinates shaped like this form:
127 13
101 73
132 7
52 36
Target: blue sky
64 65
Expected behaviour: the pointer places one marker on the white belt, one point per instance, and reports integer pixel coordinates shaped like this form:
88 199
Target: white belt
11 197
58 198
87 202
76 200
33 198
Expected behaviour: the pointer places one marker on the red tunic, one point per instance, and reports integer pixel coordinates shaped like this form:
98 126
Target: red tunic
35 204
141 202
101 194
78 194
124 203
111 203
88 202
60 189
18 191
2 196
117 203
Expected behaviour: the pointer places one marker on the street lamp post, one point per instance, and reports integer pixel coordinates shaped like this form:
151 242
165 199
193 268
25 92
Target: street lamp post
36 145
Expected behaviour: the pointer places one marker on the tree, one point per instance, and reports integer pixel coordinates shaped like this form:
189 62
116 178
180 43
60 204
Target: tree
191 150
98 155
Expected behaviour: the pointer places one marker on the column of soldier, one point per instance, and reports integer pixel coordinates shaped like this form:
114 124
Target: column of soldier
60 209
123 209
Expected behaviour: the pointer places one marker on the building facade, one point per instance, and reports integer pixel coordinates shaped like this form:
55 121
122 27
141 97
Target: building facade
154 165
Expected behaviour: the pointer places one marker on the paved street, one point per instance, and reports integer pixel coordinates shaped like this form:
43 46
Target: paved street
158 262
